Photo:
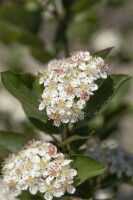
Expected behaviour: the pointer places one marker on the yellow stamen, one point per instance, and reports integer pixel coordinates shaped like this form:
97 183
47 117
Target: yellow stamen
52 85
28 165
49 188
84 86
61 104
76 110
47 100
69 90
90 71
43 164
31 181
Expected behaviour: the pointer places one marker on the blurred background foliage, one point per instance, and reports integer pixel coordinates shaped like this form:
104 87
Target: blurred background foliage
34 31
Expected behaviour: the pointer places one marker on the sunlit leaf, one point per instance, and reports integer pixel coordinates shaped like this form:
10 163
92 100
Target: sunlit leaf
21 86
86 168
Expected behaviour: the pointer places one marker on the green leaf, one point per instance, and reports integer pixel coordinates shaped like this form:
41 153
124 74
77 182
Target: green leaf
15 14
74 138
86 168
26 89
47 127
29 39
83 191
40 54
30 113
104 53
81 6
9 34
106 91
21 86
11 142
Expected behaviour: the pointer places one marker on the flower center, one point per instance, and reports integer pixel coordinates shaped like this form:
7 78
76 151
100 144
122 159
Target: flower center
53 171
90 71
52 150
68 78
59 70
11 185
52 85
45 74
85 96
65 171
55 116
31 181
76 110
43 164
102 65
84 86
18 171
28 165
47 100
61 104
69 90
50 188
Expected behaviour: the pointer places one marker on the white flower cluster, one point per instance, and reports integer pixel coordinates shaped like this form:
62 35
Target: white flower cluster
68 84
120 162
39 167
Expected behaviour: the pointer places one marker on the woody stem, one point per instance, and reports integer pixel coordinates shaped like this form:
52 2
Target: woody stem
64 132
64 136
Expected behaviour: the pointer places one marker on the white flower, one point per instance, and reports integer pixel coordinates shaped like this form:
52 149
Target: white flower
4 195
81 104
68 83
82 66
39 167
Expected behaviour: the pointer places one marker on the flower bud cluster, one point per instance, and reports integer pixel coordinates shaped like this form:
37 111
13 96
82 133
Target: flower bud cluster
68 84
39 167
120 162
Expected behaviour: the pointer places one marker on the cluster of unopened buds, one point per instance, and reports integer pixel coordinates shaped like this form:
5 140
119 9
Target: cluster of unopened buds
39 167
119 161
68 84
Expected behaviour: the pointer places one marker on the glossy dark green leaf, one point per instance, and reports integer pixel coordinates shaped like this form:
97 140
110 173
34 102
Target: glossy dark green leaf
20 86
11 142
86 168
104 53
84 191
26 89
106 91
46 127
